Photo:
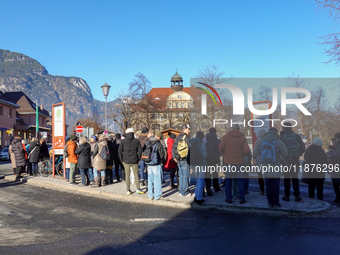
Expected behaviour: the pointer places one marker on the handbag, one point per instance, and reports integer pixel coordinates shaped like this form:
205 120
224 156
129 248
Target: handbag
29 154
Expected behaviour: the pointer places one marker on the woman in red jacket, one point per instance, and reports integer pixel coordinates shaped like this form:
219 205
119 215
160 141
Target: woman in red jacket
169 163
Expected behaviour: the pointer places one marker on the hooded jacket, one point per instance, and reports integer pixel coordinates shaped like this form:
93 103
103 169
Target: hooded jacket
302 148
98 162
72 146
213 154
282 149
234 147
19 152
116 144
142 138
34 152
111 149
174 147
202 150
130 150
315 155
84 156
160 150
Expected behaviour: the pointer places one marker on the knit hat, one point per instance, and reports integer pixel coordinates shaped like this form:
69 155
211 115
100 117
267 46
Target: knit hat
272 129
186 126
212 130
200 134
73 138
172 136
261 133
235 127
129 130
94 137
317 141
145 130
158 133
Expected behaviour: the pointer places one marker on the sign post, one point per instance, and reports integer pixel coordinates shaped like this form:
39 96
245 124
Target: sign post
58 134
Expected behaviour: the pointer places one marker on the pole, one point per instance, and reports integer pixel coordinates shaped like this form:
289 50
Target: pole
105 112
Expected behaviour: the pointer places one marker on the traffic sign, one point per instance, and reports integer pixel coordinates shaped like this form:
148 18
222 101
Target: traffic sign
74 132
79 129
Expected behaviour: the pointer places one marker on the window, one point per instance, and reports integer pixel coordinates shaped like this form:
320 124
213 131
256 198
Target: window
177 105
182 105
170 105
1 110
10 113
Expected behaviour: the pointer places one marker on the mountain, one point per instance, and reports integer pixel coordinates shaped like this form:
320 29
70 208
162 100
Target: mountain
19 72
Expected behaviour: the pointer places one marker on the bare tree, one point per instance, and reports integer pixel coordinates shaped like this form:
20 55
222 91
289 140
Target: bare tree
140 86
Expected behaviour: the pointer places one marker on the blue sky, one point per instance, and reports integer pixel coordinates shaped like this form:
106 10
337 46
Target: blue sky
111 41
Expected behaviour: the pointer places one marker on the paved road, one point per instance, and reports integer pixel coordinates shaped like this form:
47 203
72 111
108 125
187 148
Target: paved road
42 221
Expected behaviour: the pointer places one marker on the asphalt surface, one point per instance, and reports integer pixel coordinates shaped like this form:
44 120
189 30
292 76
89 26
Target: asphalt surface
41 221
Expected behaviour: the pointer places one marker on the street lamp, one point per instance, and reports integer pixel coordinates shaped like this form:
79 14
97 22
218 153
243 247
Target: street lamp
106 89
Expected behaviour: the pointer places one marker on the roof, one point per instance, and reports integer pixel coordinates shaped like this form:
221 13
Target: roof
176 77
17 95
7 101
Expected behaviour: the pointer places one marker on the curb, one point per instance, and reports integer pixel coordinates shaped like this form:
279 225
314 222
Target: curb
235 208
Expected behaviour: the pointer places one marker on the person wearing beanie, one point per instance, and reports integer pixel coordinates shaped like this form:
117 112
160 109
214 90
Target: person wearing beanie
130 152
142 139
315 155
296 148
271 143
234 147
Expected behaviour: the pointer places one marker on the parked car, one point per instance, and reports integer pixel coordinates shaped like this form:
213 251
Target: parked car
4 154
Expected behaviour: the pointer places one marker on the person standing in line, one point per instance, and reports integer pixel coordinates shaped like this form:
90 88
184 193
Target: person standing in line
130 152
19 154
44 154
170 163
257 144
12 157
33 155
72 157
93 140
142 166
334 154
84 160
116 144
99 163
109 162
180 153
154 166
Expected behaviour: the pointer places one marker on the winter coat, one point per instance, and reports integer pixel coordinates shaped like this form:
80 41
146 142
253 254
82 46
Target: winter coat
282 149
234 147
302 148
213 154
160 150
170 163
10 152
84 156
336 156
130 150
175 145
110 145
116 144
19 152
72 157
202 150
34 152
98 162
164 148
315 155
142 138
257 144
44 151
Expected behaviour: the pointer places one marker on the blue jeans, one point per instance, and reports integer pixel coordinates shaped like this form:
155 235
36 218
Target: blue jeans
142 167
154 181
240 182
34 167
200 178
98 173
83 173
68 174
184 172
90 174
273 190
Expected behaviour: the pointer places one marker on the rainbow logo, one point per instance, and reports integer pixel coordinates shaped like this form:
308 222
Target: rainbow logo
208 92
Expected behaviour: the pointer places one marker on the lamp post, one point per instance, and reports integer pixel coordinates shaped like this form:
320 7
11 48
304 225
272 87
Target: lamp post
106 89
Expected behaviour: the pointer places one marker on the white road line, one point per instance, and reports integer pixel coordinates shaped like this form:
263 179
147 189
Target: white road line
159 219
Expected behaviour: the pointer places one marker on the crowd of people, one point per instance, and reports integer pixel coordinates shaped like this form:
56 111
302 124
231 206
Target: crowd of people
149 155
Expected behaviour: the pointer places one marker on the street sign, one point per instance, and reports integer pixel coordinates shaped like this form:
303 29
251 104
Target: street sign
58 132
74 132
79 129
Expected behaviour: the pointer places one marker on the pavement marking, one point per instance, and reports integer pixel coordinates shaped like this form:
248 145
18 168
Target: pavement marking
159 219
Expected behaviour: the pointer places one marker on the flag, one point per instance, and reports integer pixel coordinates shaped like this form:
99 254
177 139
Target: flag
37 118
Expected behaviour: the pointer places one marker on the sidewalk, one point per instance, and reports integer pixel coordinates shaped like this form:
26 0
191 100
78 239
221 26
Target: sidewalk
256 203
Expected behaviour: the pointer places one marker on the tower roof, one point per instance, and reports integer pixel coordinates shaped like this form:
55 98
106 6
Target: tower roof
176 77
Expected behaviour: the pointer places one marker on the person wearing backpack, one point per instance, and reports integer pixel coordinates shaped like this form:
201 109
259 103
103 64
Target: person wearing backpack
213 159
315 155
235 148
130 152
198 154
296 148
99 156
157 157
72 157
270 150
180 151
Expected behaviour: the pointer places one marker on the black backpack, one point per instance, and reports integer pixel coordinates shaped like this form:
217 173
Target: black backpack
147 153
105 153
292 144
196 157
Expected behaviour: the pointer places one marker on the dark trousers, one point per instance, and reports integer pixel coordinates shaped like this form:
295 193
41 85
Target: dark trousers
295 181
109 175
336 187
273 190
318 184
84 176
18 171
261 181
117 164
215 182
172 175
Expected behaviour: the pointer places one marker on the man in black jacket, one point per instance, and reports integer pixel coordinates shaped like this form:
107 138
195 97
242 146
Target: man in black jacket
296 148
182 162
116 144
130 152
